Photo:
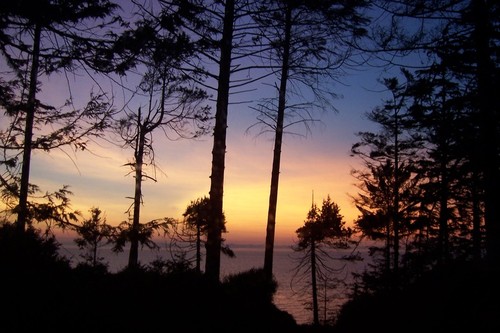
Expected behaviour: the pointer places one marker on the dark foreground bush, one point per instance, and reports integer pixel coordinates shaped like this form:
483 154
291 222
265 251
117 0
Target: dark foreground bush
462 297
41 292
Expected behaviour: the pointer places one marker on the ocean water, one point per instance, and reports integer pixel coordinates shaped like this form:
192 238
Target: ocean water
293 295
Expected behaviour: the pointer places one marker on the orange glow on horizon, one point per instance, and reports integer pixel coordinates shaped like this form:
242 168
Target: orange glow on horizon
246 192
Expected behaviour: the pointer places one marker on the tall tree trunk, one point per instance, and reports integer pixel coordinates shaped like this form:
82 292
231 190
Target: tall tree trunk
215 223
28 132
476 218
314 284
444 186
273 196
198 248
488 129
387 247
443 251
395 219
133 259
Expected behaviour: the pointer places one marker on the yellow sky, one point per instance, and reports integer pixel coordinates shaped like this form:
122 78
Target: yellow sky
308 166
319 163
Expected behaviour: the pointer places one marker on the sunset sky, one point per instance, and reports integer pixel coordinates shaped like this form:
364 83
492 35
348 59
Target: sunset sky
316 165
311 167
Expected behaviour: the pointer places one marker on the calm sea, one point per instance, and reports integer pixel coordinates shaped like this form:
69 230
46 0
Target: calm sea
293 295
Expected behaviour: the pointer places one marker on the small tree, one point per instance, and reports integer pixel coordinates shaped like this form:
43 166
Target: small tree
323 230
195 228
94 233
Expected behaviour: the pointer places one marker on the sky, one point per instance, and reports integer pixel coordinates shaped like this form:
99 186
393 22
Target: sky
312 167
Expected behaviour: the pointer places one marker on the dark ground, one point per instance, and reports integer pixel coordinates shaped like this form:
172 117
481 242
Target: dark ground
41 292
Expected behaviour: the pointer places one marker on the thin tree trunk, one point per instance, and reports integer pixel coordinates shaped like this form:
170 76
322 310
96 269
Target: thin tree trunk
133 259
314 285
325 302
28 132
215 223
94 254
444 191
395 219
387 249
273 196
476 219
488 129
198 248
443 217
143 127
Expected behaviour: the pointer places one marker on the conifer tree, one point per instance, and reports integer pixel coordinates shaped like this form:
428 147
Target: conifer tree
390 184
196 217
305 46
464 34
37 39
323 230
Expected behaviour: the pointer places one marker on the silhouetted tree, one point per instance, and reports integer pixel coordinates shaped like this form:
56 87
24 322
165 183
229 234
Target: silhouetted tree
459 42
196 217
173 103
37 39
214 235
390 186
235 47
225 32
484 18
94 233
464 34
442 115
306 44
323 230
51 209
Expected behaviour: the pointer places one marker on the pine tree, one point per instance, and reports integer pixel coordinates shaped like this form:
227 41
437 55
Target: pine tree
37 39
323 230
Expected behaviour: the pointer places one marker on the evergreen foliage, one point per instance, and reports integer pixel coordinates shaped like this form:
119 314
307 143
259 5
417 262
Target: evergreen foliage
428 191
323 227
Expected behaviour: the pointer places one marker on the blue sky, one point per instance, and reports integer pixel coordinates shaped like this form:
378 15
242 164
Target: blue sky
319 164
